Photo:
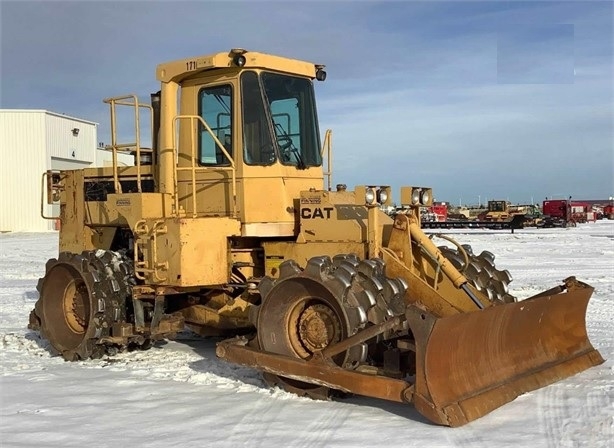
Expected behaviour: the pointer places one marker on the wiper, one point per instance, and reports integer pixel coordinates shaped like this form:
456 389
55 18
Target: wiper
289 145
225 106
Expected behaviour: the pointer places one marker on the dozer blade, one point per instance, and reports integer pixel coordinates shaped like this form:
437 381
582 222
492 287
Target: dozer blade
469 364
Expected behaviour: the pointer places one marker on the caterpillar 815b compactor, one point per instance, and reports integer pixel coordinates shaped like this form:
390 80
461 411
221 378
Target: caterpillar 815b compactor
226 225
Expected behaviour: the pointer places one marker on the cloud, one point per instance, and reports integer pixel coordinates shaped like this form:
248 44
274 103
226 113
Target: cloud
536 54
509 141
469 97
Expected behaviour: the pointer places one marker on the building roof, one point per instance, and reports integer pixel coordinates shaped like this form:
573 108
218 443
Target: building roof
48 112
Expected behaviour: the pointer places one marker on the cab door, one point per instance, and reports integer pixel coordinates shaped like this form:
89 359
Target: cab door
205 171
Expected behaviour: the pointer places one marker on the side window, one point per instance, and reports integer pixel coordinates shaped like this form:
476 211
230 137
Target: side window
215 107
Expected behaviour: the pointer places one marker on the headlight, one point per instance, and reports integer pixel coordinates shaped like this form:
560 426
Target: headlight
237 56
239 60
320 73
382 196
425 197
415 196
370 196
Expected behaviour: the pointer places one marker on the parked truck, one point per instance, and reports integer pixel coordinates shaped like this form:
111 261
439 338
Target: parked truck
566 213
557 213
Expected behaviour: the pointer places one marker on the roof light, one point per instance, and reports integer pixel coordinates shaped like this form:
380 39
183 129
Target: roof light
239 60
237 56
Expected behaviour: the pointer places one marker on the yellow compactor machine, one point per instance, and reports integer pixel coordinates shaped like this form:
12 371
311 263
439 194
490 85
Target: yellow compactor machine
225 225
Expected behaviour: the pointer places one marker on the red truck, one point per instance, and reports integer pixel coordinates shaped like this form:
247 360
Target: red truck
557 213
565 213
440 210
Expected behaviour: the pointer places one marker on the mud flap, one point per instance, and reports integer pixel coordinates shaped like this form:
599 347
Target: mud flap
469 364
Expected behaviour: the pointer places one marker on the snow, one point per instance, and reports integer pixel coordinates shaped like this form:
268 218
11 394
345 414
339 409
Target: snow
180 394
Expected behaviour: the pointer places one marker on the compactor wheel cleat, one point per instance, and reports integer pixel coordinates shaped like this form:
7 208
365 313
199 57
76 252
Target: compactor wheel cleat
81 297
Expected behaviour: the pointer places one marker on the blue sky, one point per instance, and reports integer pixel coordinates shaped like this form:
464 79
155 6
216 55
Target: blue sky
501 100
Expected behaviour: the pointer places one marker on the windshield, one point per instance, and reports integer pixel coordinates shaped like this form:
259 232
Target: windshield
279 120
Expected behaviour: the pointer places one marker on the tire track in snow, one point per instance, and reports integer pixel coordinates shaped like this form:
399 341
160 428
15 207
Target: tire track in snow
564 415
467 436
258 416
320 431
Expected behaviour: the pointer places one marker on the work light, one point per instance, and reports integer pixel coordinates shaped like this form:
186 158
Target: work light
369 195
415 196
382 195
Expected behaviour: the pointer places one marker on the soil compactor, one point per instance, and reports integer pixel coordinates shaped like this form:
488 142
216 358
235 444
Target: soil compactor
225 225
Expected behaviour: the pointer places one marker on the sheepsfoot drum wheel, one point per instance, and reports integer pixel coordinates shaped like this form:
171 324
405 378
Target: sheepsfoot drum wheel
81 297
305 311
481 272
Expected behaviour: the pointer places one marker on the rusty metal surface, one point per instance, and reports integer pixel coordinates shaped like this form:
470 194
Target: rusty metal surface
316 371
469 364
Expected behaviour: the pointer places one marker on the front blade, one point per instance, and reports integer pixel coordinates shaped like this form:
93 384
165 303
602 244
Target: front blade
469 364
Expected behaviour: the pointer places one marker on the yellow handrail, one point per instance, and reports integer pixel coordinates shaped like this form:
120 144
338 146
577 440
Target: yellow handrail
193 168
327 146
134 102
46 188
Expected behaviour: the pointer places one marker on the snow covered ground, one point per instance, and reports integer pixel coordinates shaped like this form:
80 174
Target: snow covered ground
179 394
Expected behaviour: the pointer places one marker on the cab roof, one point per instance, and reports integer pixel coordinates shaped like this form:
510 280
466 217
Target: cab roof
175 71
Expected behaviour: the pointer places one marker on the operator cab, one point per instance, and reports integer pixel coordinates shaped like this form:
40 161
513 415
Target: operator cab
244 136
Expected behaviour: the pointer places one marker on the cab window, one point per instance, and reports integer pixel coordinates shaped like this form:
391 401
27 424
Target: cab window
215 107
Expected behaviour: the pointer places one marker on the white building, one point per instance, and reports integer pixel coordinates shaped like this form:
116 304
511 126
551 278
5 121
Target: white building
31 142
